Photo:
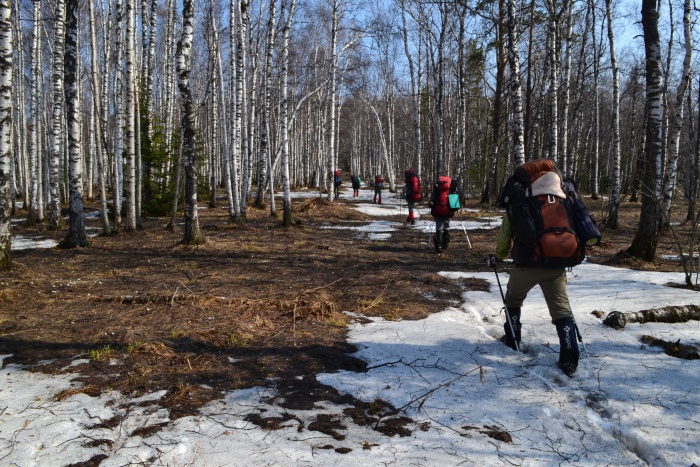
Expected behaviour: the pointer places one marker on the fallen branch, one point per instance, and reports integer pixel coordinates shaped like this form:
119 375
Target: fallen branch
674 349
667 314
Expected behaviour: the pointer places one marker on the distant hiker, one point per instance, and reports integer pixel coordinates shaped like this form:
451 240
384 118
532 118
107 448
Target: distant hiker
413 193
356 182
443 204
539 226
378 187
336 183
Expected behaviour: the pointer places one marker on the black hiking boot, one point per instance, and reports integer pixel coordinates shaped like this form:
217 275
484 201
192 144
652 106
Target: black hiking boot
445 239
437 240
568 347
508 339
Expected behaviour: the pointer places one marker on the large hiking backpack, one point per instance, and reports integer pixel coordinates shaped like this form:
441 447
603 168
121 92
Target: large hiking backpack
440 203
413 188
542 217
336 178
378 183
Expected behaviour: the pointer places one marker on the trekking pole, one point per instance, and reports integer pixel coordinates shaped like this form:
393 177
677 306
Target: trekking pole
578 332
492 263
459 213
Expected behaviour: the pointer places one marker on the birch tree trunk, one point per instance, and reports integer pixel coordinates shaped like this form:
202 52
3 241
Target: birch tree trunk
36 209
230 194
118 173
76 231
646 239
671 168
415 95
553 78
615 195
596 106
515 86
332 164
57 71
241 134
99 136
130 106
193 234
5 132
264 154
287 216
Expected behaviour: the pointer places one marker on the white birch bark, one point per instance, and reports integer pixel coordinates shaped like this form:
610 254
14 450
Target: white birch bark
415 97
264 156
130 114
240 157
645 241
674 138
76 231
615 195
287 216
596 106
515 86
332 164
99 136
193 234
553 81
36 210
57 70
5 132
118 169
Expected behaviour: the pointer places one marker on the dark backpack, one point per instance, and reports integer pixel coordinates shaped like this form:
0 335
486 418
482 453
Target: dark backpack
378 183
355 180
413 188
541 214
440 203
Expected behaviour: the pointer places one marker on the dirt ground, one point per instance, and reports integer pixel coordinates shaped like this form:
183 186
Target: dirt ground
256 305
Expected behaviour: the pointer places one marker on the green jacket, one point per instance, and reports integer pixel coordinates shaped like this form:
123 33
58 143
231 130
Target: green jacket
504 242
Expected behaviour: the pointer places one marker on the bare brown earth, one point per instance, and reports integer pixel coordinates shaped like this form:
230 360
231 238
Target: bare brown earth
256 305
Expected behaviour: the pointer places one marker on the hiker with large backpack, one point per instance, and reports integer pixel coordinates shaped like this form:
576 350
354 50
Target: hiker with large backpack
543 213
413 193
356 182
443 204
378 187
337 181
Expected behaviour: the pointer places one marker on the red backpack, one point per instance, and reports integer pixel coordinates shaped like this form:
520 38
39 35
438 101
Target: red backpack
440 204
542 218
413 188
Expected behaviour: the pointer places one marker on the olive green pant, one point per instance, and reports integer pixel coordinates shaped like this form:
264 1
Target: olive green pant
551 281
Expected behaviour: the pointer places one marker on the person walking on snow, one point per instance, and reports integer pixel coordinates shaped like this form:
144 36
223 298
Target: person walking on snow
378 186
441 211
336 183
356 182
412 193
523 278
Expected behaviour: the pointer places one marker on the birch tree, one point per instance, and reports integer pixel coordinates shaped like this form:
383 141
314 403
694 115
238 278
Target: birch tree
76 231
35 206
5 132
57 70
118 174
674 137
515 86
130 123
100 146
616 156
646 239
193 234
287 216
264 154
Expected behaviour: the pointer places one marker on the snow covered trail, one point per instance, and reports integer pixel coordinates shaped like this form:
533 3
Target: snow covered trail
472 400
626 404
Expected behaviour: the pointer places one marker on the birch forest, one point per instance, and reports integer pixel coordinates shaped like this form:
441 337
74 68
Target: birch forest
151 107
